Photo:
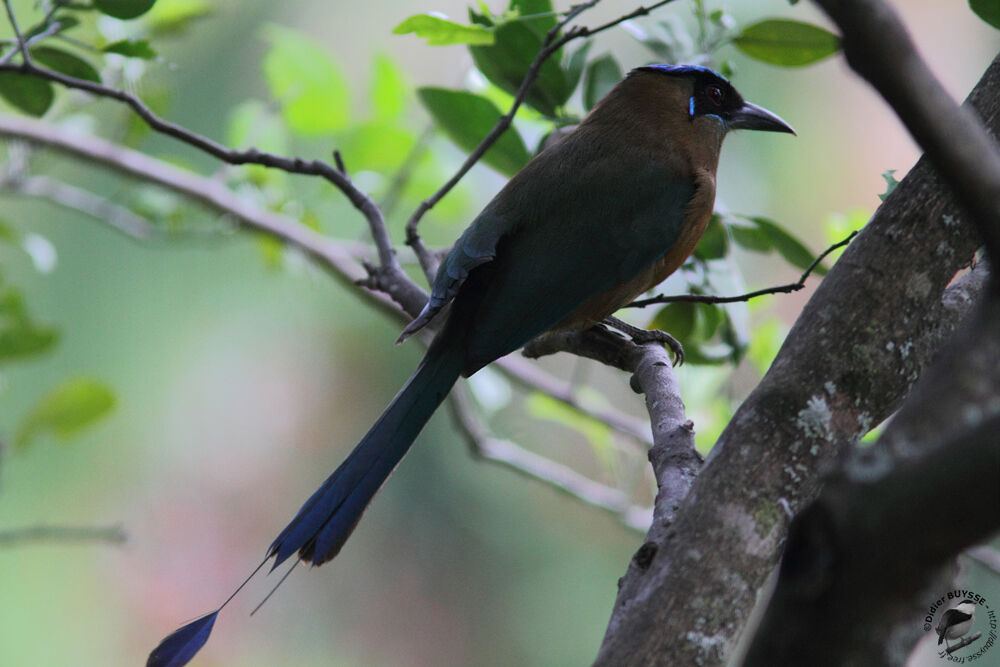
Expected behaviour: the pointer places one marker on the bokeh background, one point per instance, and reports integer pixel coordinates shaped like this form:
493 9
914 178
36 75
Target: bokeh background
240 385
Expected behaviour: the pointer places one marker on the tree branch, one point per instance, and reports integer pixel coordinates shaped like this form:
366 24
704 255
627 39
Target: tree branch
861 341
15 537
117 217
22 45
328 253
48 32
675 460
860 557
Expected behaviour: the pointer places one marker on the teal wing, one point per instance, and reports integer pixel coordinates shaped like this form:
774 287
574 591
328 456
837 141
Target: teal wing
604 234
475 247
564 230
575 222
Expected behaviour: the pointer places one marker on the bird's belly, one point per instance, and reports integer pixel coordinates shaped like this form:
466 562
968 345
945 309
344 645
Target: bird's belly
605 303
959 629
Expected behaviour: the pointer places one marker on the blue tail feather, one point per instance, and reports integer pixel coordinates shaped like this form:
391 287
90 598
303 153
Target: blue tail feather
327 519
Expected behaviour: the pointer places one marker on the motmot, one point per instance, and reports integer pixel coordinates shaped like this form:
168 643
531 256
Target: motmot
593 221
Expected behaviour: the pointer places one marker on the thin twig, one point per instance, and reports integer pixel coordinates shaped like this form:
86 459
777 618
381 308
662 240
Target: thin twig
17 536
117 217
550 45
553 474
328 253
389 266
965 642
22 46
48 32
779 289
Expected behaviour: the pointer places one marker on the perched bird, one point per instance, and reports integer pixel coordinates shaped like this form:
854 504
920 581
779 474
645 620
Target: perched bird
593 221
956 621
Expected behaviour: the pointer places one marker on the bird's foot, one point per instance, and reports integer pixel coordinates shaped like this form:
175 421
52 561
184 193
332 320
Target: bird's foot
646 336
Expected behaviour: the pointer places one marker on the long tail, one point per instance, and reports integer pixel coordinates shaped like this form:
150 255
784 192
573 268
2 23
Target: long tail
327 519
325 522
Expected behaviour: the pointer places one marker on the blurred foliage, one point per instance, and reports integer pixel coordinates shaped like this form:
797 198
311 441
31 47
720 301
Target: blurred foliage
66 409
442 32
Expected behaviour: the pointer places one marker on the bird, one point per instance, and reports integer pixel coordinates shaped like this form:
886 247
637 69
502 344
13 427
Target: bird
956 621
594 220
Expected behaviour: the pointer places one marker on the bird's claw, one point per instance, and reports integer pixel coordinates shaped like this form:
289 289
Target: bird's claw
647 336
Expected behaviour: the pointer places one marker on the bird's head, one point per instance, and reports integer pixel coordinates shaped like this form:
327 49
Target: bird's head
966 607
677 112
710 98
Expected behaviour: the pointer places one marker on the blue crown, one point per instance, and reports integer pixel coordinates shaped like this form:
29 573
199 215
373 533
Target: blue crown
679 70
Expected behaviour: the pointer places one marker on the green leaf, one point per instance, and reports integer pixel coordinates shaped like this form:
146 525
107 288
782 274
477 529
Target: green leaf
543 406
375 146
708 318
124 9
29 94
65 63
24 339
69 407
677 319
714 243
545 18
176 16
890 183
442 32
506 62
306 81
751 238
786 42
467 118
8 233
601 76
987 10
271 251
255 124
138 48
388 89
789 247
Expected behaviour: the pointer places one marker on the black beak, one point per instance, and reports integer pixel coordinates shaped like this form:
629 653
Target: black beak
753 117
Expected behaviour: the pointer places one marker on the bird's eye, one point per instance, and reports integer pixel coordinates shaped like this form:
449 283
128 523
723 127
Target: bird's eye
714 95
